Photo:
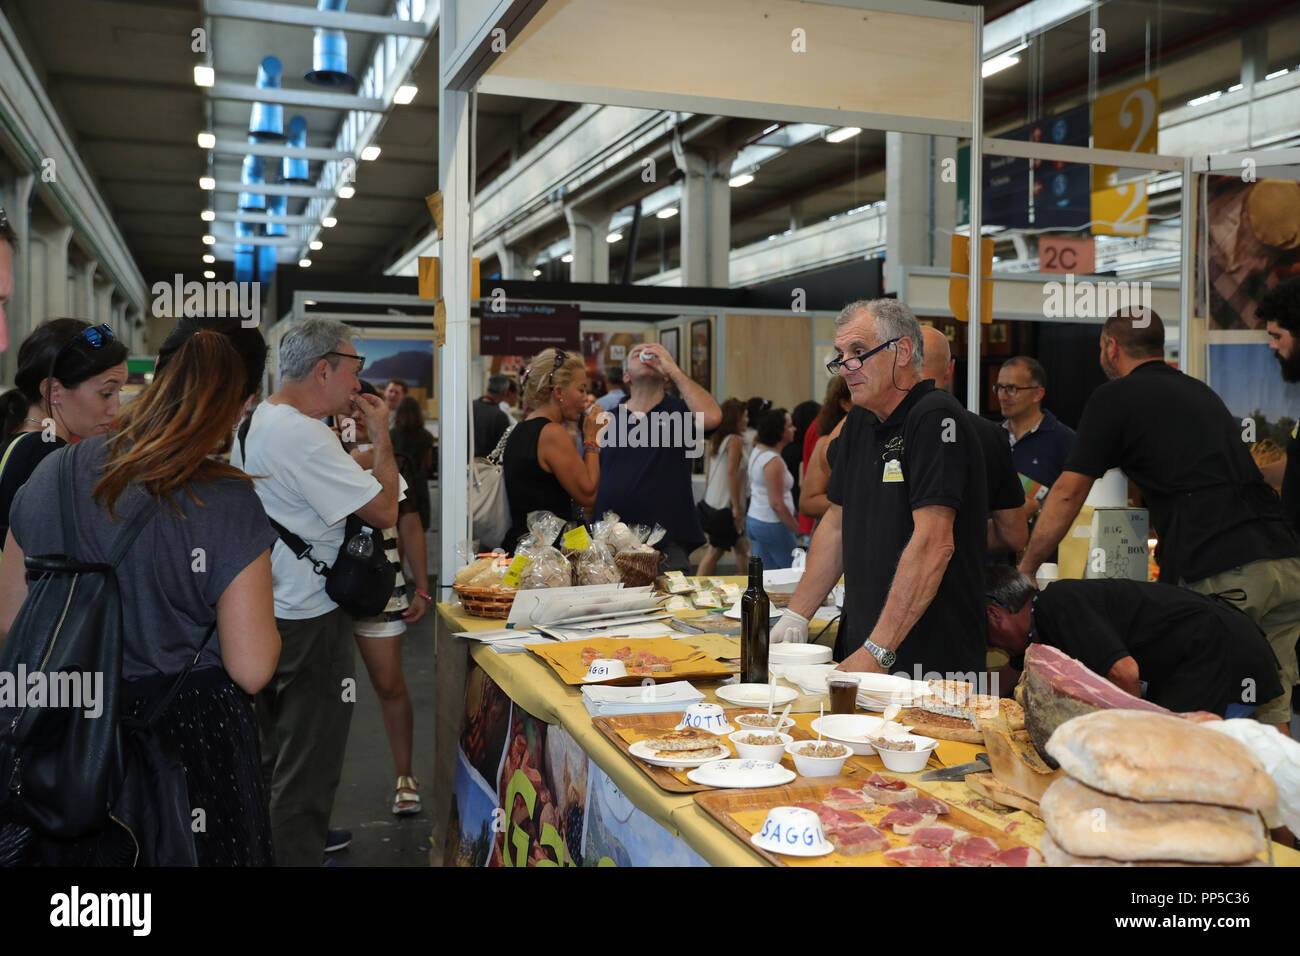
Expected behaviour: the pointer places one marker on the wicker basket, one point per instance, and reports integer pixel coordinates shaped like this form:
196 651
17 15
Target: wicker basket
638 568
486 602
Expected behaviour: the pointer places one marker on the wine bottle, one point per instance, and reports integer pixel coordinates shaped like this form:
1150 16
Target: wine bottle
755 622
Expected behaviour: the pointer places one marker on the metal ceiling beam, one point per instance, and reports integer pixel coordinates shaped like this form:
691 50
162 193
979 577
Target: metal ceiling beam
248 93
245 148
288 242
294 192
265 217
287 15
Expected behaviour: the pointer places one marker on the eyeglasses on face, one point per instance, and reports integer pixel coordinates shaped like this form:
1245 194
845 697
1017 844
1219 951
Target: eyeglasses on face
361 359
1013 390
851 363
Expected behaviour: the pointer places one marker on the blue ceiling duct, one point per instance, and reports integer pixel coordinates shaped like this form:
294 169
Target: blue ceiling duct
250 175
276 206
267 119
265 264
329 52
244 255
295 170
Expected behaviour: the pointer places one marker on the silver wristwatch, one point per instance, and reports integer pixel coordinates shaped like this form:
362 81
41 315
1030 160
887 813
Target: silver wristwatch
883 657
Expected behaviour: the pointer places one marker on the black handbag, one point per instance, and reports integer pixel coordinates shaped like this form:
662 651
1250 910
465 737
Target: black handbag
361 579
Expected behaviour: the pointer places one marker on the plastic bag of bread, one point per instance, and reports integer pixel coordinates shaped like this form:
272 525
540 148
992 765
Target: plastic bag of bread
1280 756
471 571
547 566
492 575
596 565
638 563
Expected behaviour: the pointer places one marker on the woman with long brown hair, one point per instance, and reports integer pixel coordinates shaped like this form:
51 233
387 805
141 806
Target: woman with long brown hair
202 563
816 472
722 511
542 469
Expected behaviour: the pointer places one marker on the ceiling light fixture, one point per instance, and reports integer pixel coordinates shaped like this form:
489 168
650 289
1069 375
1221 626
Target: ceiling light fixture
568 257
207 215
204 76
667 212
304 263
405 93
207 182
315 245
536 273
207 141
329 222
843 133
209 240
614 237
209 274
744 179
346 192
370 153
1003 61
209 259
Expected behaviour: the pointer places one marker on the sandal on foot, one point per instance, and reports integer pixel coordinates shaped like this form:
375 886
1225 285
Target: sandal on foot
407 797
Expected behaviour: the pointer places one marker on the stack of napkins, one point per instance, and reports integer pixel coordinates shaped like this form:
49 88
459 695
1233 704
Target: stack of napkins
602 701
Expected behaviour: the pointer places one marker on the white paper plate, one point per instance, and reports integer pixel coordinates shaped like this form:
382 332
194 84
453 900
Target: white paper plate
850 729
645 753
741 773
755 695
733 612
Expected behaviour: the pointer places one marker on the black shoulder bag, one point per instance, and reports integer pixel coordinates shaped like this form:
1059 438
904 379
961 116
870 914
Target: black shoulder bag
361 579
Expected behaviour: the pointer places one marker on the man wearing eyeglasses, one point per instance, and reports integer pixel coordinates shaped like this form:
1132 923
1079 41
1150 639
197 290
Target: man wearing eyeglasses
1039 442
907 518
310 485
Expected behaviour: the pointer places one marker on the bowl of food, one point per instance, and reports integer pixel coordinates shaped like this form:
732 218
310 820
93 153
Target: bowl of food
793 831
768 722
760 744
813 758
706 716
855 730
904 753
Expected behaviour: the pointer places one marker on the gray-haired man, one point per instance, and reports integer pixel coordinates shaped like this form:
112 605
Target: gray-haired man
906 524
311 486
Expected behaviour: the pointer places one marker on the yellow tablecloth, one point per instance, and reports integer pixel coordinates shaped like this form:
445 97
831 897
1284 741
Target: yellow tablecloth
531 683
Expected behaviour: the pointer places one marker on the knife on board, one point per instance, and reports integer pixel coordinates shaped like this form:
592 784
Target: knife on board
979 765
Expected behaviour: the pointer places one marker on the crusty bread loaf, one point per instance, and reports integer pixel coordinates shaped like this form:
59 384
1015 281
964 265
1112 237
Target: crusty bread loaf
687 738
1055 856
1088 823
1157 757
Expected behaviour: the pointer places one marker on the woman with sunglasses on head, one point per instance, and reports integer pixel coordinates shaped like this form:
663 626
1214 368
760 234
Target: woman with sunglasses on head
67 388
542 469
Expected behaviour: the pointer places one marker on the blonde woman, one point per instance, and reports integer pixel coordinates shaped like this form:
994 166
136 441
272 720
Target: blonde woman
542 467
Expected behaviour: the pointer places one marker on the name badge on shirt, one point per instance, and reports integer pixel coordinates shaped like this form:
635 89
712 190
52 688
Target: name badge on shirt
893 471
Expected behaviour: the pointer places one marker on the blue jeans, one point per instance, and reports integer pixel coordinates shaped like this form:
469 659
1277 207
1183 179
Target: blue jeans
773 542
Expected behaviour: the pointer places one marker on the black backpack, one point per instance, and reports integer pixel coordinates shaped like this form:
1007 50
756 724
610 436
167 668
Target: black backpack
59 767
359 582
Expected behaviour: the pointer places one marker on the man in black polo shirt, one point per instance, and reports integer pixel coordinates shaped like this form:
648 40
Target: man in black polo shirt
1220 527
907 520
1280 306
1191 651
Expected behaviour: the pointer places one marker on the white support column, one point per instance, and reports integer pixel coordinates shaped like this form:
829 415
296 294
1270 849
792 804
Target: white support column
17 204
705 218
973 384
102 313
54 243
588 227
907 205
84 303
453 365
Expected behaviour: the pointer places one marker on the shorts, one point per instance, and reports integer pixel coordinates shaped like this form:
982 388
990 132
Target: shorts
720 526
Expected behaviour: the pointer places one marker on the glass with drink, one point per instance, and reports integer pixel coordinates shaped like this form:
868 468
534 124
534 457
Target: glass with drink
843 689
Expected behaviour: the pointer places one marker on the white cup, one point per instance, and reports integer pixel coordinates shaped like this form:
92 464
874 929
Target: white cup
792 830
605 668
706 716
1047 573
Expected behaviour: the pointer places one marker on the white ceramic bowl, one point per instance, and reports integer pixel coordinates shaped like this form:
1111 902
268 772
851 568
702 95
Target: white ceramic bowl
770 752
793 831
851 729
706 716
909 761
605 668
817 766
743 723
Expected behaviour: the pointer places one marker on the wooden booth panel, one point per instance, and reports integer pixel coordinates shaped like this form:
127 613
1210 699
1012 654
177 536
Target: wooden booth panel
768 356
779 59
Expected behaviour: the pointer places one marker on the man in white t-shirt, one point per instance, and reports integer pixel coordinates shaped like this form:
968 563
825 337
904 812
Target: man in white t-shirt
310 486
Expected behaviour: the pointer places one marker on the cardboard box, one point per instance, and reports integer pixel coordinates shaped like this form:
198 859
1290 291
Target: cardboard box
1106 543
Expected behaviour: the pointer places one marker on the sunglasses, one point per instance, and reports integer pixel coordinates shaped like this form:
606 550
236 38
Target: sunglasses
851 363
95 336
561 357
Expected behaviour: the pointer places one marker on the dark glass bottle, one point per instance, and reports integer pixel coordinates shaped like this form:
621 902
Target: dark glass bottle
755 622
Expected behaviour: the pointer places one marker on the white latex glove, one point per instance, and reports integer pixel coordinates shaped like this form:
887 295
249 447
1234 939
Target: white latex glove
791 628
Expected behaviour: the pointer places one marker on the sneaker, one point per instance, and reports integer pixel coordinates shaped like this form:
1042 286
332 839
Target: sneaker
337 840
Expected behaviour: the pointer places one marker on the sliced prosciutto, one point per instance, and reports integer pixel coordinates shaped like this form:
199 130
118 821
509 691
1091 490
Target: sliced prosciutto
916 856
884 783
1018 856
904 822
975 851
858 840
889 797
1056 688
935 837
924 805
842 798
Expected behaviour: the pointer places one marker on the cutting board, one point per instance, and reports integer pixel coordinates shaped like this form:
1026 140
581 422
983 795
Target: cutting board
565 659
742 813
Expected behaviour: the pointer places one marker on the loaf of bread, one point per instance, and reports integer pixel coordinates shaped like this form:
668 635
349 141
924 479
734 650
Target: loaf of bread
1158 757
1053 855
1088 823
